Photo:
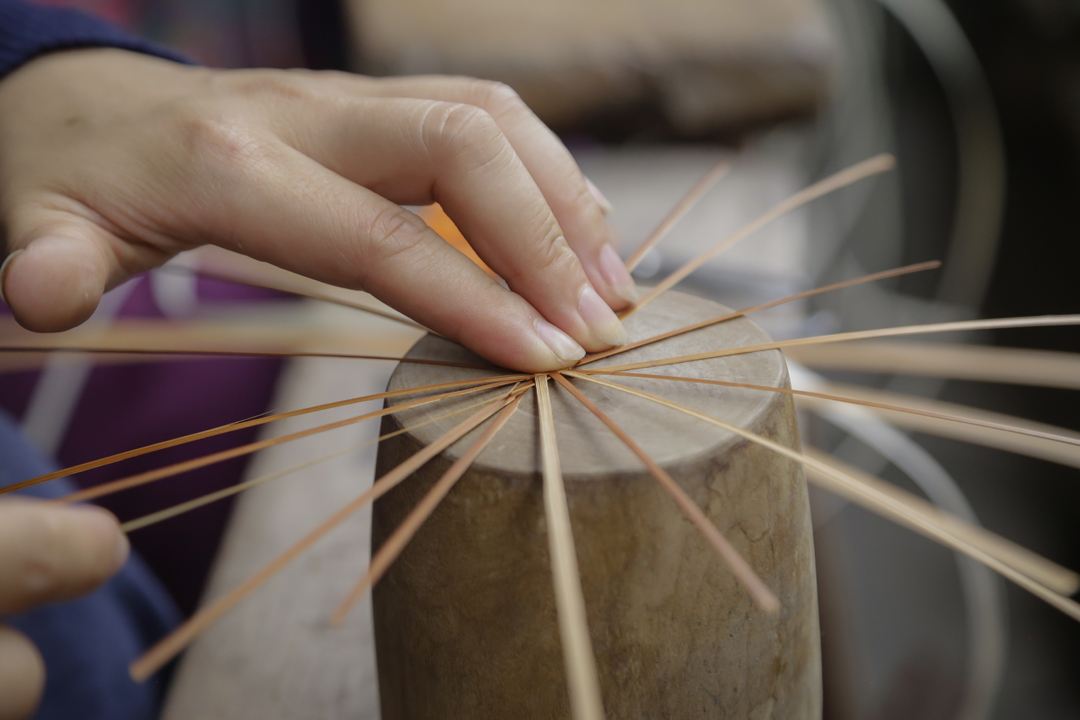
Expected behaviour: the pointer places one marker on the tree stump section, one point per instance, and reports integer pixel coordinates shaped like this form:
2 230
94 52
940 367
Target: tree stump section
465 621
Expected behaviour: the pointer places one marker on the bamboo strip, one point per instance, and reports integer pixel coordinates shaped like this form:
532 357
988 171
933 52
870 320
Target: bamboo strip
581 676
395 544
676 213
203 500
894 404
855 173
174 643
1049 573
872 277
848 487
1037 440
150 476
1043 368
759 591
962 325
217 264
243 424
57 346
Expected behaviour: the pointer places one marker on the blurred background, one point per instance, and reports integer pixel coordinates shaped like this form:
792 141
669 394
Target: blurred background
980 101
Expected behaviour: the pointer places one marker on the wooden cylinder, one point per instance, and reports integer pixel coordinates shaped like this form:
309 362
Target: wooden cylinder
465 622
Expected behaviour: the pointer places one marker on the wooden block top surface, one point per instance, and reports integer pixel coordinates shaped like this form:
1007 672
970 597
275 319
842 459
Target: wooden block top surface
587 449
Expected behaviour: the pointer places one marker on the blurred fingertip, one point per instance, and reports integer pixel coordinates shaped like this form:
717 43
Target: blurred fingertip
101 525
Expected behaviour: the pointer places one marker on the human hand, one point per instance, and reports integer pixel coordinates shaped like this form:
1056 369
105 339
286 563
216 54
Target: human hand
47 553
111 162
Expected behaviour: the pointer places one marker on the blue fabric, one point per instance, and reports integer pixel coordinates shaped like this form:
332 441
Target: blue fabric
89 643
27 31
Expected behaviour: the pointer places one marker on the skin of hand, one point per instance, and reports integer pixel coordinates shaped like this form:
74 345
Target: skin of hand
111 162
48 553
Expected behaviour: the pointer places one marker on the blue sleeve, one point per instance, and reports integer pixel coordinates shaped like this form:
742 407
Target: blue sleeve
28 30
88 643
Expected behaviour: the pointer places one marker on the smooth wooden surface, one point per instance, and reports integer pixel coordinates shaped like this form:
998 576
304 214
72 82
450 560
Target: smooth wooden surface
465 621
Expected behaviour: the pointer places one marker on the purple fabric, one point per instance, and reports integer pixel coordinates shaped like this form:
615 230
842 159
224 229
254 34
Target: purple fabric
125 406
88 643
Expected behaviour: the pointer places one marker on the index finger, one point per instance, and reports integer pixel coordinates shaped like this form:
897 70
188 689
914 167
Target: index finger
576 204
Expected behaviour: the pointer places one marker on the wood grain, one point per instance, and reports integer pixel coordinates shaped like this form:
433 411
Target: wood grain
465 621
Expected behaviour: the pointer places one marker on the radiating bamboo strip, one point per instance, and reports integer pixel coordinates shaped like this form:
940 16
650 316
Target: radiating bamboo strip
759 591
1049 573
395 544
676 213
249 423
581 676
855 173
989 429
87 346
848 487
150 476
173 644
1021 366
218 264
203 500
935 416
795 297
958 326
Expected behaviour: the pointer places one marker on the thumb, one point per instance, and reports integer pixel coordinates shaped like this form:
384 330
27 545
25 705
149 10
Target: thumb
55 279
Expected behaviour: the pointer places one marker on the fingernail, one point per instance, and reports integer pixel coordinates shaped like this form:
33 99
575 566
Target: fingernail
558 342
3 272
614 271
102 523
600 198
603 323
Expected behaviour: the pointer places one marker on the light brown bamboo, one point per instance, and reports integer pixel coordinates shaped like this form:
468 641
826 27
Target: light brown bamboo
1049 573
795 297
855 173
958 326
243 424
935 415
149 476
1021 366
989 429
218 264
391 549
676 213
848 487
173 644
754 585
581 676
203 500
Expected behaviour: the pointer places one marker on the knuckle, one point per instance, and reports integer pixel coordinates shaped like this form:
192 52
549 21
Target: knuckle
460 130
498 98
392 233
216 135
554 255
223 144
